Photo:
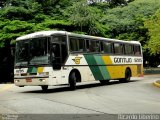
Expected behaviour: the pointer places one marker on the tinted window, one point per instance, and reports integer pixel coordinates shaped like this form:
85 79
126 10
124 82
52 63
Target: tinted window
93 46
59 39
137 50
77 45
118 48
107 47
62 41
39 53
128 49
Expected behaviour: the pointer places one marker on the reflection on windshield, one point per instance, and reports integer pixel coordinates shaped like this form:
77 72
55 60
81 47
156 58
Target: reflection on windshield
32 52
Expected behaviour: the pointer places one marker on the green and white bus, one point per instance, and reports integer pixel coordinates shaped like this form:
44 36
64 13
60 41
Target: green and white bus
58 57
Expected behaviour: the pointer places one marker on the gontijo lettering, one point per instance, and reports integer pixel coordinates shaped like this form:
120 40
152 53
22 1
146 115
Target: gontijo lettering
122 60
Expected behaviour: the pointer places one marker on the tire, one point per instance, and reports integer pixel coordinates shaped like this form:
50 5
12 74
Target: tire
104 82
44 88
72 80
127 76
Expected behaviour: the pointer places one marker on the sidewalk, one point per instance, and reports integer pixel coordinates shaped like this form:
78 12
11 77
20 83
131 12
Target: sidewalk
157 83
6 86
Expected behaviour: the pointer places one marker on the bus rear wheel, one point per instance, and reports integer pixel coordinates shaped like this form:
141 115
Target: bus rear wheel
104 82
127 76
44 87
72 80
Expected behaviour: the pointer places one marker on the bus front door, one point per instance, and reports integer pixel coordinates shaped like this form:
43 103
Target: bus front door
56 56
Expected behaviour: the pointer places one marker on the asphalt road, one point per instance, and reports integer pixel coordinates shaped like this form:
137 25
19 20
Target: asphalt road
137 96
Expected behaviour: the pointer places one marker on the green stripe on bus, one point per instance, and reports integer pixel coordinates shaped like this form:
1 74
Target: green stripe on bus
102 67
93 66
32 70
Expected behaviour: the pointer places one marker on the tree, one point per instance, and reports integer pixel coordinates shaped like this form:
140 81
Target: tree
128 22
112 3
85 17
3 3
153 25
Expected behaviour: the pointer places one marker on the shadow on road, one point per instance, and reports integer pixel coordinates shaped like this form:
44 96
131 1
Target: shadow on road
65 88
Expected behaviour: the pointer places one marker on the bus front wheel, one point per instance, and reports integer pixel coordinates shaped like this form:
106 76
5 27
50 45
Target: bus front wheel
44 87
72 80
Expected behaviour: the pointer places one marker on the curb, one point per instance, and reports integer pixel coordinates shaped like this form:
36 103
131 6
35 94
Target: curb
157 83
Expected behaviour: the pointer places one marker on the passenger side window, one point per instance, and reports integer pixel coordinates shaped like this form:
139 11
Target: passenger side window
107 47
77 45
129 49
118 48
137 50
92 46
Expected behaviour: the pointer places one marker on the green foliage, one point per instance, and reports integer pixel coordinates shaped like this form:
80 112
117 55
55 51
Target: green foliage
153 25
56 24
100 5
111 3
13 13
85 17
39 18
128 22
79 14
10 30
17 26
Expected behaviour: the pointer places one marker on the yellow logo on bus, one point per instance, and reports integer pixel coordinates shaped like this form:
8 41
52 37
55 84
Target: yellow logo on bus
77 60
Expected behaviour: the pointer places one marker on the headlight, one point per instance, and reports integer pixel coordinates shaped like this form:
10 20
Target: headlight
42 80
44 74
17 75
16 81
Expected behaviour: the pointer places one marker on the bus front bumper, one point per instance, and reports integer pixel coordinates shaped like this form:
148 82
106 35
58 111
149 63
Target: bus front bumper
29 81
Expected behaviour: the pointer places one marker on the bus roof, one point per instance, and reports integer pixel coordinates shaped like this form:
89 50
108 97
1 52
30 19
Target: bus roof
49 33
39 34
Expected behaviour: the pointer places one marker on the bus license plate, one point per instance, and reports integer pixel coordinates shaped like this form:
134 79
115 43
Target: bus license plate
28 80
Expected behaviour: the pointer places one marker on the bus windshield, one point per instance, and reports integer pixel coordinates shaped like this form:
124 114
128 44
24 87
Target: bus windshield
32 52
